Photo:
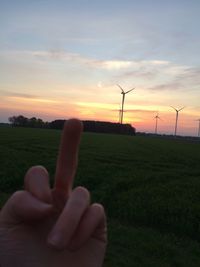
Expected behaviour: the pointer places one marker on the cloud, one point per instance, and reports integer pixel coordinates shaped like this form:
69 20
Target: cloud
77 58
154 75
27 97
190 75
56 55
19 95
96 105
125 64
166 87
181 78
136 110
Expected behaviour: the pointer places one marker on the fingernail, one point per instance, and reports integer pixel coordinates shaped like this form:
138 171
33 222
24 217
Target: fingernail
55 240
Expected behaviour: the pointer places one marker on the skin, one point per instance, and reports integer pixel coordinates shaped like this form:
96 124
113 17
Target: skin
57 227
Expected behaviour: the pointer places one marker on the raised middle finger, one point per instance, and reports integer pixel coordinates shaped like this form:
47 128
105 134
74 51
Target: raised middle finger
68 156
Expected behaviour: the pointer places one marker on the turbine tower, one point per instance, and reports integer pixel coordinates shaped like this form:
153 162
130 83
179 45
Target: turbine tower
120 111
176 123
123 99
156 126
198 128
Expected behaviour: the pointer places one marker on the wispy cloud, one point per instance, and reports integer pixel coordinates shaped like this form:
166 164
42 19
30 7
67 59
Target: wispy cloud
19 95
113 64
79 59
153 75
181 78
137 110
60 55
28 97
96 105
190 76
166 87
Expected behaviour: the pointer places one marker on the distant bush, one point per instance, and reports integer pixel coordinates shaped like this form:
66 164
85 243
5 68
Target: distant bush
99 127
89 126
2 124
22 121
108 127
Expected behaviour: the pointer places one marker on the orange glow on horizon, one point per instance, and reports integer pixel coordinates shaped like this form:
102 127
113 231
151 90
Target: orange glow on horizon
140 117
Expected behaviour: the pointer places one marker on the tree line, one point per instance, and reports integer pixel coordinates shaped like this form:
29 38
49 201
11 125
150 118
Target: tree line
89 126
21 121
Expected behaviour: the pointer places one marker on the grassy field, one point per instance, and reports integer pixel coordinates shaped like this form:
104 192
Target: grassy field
150 188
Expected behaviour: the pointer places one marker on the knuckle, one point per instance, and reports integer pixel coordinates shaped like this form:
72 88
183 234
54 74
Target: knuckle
16 199
18 196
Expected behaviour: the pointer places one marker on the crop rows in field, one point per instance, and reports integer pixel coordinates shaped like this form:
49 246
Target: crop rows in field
142 182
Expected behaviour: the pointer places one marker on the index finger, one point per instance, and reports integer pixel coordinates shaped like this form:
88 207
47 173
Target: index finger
68 155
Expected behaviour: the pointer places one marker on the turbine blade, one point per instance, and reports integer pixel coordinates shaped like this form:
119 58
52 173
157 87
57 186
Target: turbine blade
157 117
129 91
174 108
120 87
181 108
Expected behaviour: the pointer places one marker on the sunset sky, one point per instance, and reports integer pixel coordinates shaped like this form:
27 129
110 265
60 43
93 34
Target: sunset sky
64 58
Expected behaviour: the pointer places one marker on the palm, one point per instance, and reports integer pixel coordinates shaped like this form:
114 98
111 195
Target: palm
31 246
31 219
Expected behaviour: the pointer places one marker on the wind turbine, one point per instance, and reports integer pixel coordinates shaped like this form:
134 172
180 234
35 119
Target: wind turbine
120 111
198 128
156 126
123 99
176 123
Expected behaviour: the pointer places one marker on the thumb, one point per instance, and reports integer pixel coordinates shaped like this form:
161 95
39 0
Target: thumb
24 207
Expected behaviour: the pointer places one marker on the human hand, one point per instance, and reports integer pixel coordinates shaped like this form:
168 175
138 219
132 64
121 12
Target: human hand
53 227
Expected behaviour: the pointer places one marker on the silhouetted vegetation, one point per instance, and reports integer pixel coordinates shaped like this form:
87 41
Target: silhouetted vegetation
2 124
99 127
89 126
108 127
21 121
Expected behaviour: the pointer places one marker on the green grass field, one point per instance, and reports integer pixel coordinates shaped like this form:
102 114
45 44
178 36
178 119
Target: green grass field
150 188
